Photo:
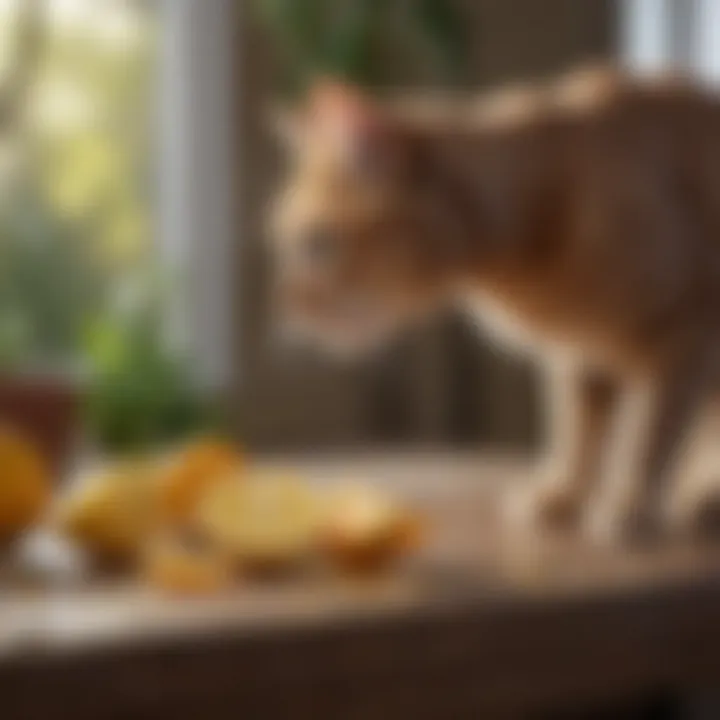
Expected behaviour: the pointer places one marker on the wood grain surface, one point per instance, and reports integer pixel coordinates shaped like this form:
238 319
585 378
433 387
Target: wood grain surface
479 624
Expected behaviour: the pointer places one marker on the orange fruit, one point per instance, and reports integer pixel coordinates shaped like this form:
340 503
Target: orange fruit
190 471
25 486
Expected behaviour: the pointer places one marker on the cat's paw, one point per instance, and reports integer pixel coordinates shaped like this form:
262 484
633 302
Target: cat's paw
541 504
615 525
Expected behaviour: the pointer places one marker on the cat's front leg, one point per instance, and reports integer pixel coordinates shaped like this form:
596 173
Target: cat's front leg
579 405
653 419
692 506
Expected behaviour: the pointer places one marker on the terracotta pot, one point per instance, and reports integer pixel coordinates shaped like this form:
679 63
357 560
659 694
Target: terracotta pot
45 409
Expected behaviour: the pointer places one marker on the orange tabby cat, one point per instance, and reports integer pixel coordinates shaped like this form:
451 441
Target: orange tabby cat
579 219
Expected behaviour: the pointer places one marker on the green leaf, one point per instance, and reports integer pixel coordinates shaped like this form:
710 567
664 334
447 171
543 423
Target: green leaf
299 27
349 47
443 26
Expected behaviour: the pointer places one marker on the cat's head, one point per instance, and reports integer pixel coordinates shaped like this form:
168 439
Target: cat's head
354 232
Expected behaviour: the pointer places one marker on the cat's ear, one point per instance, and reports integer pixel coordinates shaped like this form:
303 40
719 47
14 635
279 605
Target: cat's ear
350 123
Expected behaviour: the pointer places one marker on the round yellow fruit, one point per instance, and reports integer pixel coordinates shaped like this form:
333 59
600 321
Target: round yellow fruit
111 512
176 564
187 474
265 521
365 530
24 483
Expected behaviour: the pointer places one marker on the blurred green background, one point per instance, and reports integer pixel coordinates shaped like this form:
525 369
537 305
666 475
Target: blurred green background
81 291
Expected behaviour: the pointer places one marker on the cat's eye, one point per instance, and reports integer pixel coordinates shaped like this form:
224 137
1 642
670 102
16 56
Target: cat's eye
319 247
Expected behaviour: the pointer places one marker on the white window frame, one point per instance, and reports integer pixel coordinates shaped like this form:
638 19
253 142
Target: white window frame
198 198
658 35
644 33
707 39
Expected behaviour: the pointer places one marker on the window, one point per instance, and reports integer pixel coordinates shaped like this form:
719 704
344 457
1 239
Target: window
78 203
126 158
660 34
116 215
198 155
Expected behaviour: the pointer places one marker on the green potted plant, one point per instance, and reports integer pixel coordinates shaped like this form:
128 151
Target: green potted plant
77 354
141 392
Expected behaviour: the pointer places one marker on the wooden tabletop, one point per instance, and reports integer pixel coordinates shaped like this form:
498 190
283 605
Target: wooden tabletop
478 622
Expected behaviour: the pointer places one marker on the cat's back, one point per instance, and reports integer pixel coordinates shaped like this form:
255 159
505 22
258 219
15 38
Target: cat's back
670 123
613 198
640 154
644 154
602 107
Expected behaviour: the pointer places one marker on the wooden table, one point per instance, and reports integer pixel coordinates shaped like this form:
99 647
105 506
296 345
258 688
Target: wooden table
479 625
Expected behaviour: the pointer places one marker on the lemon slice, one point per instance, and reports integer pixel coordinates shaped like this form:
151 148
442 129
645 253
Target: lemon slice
263 519
364 529
184 476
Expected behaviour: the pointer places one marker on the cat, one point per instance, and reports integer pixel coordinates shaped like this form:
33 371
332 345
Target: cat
577 219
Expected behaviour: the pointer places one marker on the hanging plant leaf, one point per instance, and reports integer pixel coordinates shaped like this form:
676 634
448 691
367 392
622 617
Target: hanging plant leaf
300 28
342 37
442 24
350 46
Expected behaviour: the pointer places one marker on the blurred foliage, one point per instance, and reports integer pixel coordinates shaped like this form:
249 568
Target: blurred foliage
15 84
76 205
355 39
49 286
76 223
76 215
142 392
